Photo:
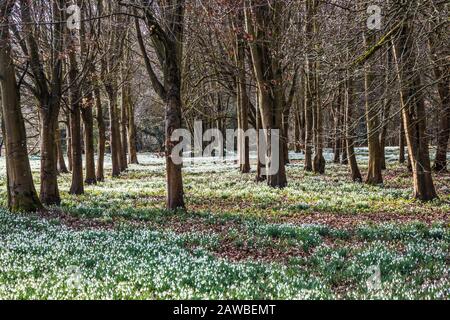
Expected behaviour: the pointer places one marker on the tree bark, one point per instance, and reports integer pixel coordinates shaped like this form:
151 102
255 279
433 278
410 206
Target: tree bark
132 150
350 124
308 119
114 136
22 195
268 76
413 111
68 143
88 121
168 41
402 158
62 168
49 97
374 174
442 75
123 129
100 175
243 103
77 186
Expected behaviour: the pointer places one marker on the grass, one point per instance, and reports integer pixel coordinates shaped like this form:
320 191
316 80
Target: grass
320 238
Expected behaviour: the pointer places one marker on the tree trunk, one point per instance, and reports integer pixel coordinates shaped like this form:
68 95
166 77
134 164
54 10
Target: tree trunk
242 105
374 174
100 175
132 150
308 120
413 111
319 160
383 133
337 127
402 158
175 194
114 137
88 120
259 175
441 71
268 76
49 193
62 168
123 130
49 96
22 195
350 125
68 143
77 186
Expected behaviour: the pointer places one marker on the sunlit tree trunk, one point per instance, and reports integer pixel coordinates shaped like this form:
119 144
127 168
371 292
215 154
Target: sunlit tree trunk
350 125
374 174
77 186
100 175
168 40
48 93
402 157
308 118
413 111
22 195
442 76
123 129
114 135
242 98
269 79
62 168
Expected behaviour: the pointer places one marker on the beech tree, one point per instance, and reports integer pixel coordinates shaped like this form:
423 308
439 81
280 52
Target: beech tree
167 37
413 107
260 18
47 90
22 194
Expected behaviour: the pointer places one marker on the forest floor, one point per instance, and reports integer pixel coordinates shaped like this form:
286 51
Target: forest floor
323 237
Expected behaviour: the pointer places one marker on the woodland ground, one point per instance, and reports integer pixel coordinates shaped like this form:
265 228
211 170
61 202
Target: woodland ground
320 238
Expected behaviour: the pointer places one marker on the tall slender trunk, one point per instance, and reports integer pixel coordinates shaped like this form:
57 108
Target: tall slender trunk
442 75
48 93
175 193
402 158
87 108
49 192
123 131
62 168
242 105
68 143
285 125
350 125
22 195
298 125
383 133
77 186
259 166
337 143
132 150
386 112
268 74
308 119
413 111
114 136
100 175
88 120
374 174
319 160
